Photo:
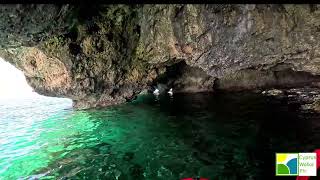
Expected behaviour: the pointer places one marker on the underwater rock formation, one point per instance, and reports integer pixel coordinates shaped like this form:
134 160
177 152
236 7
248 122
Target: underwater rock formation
100 55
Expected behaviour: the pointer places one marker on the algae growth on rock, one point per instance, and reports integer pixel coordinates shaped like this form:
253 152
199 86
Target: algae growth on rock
100 55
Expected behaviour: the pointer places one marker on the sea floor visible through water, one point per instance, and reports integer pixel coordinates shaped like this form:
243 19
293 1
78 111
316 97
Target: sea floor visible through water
217 136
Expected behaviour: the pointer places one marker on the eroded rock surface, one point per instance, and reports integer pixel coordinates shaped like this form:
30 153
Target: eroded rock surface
307 98
99 55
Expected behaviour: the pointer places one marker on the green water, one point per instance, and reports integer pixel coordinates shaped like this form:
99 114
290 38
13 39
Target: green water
226 136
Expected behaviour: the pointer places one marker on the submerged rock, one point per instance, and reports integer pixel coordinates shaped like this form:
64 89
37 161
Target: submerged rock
316 105
273 92
101 55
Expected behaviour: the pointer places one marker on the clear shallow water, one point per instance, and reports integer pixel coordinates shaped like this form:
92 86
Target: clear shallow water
225 136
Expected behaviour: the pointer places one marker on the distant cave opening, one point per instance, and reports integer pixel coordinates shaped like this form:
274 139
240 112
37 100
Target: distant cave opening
172 73
184 78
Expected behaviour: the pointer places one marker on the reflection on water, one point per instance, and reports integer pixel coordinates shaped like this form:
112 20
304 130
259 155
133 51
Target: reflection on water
225 136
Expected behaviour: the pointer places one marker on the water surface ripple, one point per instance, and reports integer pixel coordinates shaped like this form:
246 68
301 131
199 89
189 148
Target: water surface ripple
226 136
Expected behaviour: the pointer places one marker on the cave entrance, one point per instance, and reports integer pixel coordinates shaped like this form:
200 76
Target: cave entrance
185 78
13 83
14 86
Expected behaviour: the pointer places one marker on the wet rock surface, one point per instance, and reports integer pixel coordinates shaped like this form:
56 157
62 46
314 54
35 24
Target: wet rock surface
100 55
308 98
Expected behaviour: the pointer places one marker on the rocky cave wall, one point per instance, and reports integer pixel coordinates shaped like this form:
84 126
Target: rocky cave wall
99 55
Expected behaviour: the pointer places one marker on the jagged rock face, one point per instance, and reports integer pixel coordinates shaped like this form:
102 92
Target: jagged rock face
100 55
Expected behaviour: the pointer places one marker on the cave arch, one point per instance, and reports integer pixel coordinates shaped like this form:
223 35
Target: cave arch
13 82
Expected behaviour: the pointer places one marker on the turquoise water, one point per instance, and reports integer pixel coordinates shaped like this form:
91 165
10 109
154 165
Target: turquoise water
225 136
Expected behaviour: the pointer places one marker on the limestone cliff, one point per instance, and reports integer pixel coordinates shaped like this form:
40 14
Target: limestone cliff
99 55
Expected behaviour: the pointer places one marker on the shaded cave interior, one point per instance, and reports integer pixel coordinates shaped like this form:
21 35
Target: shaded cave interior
185 78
